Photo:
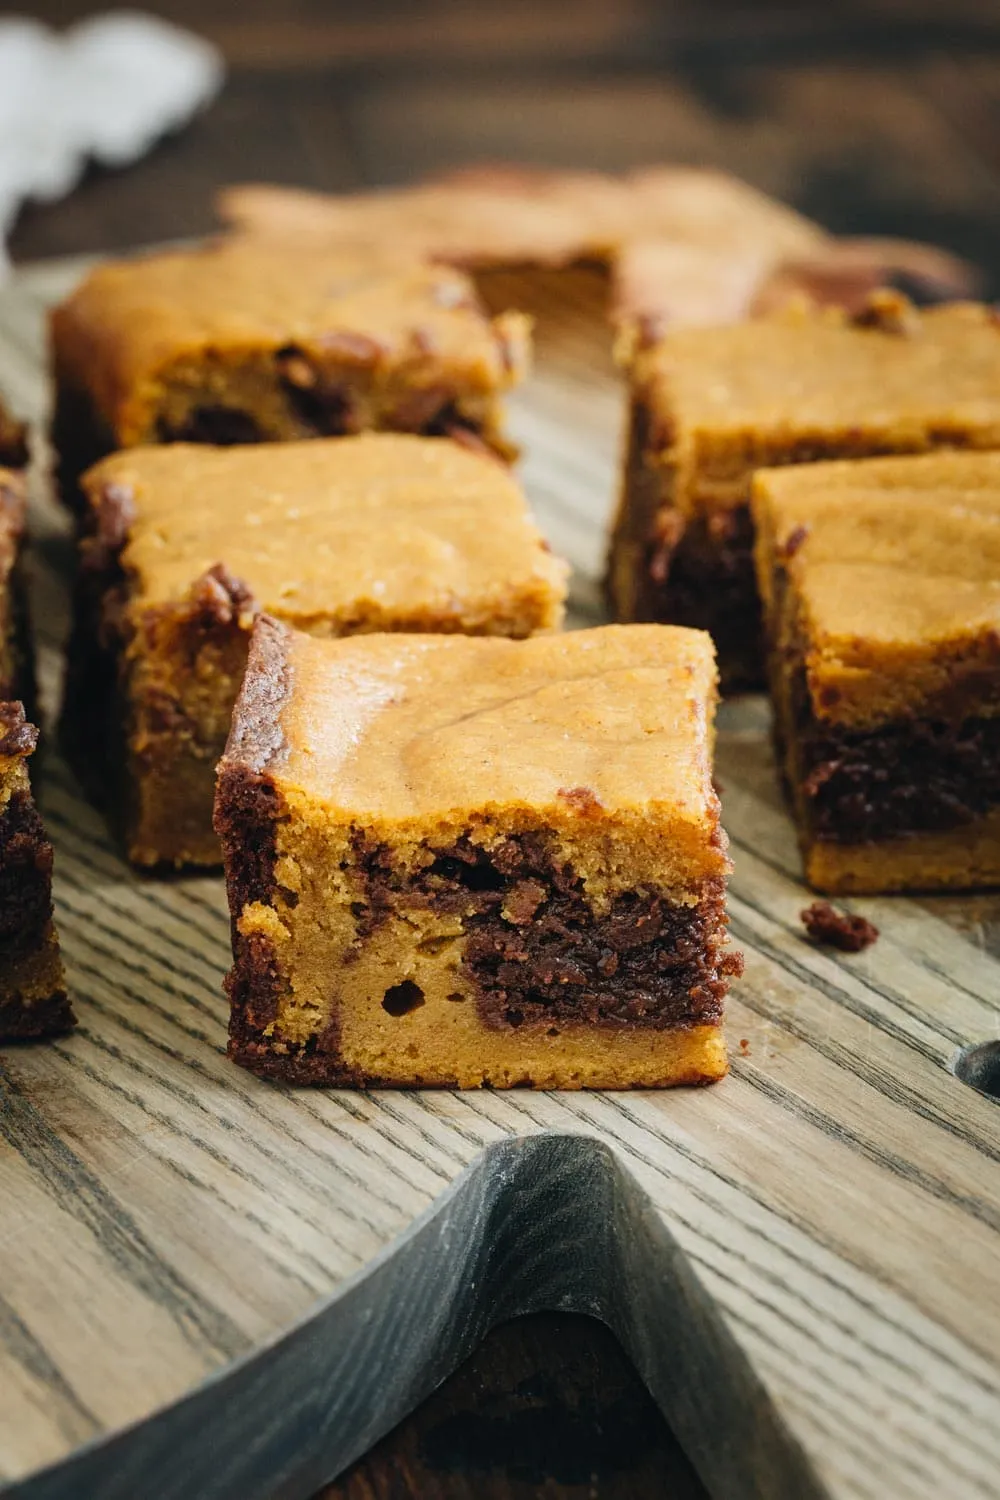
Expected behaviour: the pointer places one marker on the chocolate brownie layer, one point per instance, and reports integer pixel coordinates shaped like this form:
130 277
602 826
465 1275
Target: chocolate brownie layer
25 878
535 950
697 572
42 1018
246 821
707 582
912 776
33 998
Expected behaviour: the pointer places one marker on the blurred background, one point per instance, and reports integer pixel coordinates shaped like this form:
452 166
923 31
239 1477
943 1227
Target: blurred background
869 115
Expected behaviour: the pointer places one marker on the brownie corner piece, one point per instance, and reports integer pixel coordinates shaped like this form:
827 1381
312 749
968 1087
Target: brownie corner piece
879 585
421 897
33 998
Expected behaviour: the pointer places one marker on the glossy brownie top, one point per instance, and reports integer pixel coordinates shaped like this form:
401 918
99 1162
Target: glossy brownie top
885 575
133 323
602 735
809 385
379 531
523 215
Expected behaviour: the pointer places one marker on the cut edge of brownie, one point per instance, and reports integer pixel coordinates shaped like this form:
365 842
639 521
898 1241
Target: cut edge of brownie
247 808
33 998
696 571
925 773
96 722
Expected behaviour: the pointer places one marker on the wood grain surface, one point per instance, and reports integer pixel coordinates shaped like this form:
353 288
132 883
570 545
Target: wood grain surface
803 1262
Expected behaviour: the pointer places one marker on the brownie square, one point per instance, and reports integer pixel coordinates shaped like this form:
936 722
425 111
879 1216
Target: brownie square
711 405
474 862
881 589
243 341
33 1001
183 545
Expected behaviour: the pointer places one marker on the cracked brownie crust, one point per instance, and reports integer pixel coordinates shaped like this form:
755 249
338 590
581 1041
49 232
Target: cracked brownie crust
543 934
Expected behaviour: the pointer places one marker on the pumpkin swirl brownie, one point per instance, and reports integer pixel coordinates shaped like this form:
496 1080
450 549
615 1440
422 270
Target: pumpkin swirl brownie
881 588
463 862
183 545
711 405
243 342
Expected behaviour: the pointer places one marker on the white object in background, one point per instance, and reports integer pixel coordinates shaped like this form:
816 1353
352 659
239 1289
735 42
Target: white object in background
104 90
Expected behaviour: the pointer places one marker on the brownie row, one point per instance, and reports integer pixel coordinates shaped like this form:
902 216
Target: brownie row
159 648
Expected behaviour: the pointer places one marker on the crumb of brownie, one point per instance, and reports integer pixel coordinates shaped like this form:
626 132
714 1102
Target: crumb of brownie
891 312
744 1046
18 738
837 929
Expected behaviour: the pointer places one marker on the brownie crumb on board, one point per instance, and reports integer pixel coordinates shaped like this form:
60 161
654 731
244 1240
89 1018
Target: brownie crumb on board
838 929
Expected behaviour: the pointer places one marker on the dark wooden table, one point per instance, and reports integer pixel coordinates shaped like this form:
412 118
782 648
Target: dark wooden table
873 117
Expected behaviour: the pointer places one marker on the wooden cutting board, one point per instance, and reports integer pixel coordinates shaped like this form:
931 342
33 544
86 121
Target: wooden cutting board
212 1288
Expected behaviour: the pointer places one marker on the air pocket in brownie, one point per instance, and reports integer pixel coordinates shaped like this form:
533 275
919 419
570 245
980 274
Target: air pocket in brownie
466 862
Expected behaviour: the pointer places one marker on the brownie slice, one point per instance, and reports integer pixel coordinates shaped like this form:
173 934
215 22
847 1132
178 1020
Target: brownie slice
244 341
183 545
881 588
33 1000
464 862
712 405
